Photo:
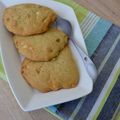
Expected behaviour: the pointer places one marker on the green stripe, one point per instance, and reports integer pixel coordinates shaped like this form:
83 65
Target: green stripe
2 73
107 94
53 114
80 12
116 115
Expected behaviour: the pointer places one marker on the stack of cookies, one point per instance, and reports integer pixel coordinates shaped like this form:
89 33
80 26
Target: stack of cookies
48 63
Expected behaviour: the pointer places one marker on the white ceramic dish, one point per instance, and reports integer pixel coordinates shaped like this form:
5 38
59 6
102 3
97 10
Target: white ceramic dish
28 98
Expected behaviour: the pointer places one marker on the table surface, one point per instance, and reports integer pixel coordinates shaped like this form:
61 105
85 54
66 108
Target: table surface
108 9
9 109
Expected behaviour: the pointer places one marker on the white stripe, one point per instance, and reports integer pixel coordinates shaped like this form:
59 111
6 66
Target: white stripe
99 69
84 26
104 91
108 55
90 28
89 23
76 109
85 19
116 113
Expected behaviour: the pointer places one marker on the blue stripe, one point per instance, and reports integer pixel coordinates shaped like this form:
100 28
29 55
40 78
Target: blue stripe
99 84
96 35
52 109
111 103
106 44
66 109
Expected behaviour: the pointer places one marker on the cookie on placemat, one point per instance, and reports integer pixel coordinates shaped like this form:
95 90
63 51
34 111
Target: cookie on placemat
59 73
28 19
41 47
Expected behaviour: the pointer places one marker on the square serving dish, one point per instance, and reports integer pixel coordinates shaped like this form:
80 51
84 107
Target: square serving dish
28 98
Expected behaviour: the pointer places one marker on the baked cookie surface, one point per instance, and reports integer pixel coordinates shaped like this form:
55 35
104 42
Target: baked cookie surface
28 19
41 47
59 73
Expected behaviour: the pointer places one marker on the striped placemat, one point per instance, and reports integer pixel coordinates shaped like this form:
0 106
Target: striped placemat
103 43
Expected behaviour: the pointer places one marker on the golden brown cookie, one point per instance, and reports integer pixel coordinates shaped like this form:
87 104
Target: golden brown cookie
42 47
28 19
59 73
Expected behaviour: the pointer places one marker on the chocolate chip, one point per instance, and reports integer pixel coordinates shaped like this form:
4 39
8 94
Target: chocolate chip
58 40
37 71
29 15
7 19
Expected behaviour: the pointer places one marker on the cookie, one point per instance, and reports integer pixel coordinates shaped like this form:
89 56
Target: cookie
41 47
28 19
59 73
